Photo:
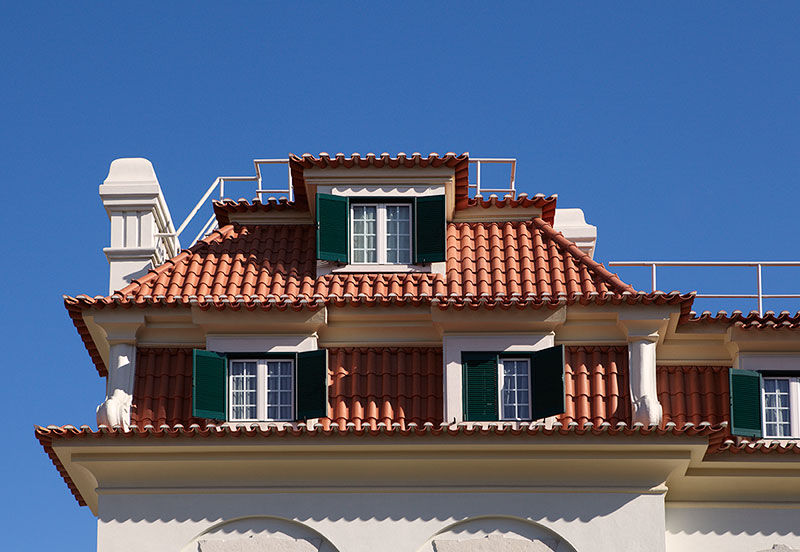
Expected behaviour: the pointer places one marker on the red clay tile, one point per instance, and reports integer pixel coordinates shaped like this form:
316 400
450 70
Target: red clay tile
694 394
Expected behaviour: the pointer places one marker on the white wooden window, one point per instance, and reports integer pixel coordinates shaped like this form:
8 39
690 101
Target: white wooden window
780 400
261 390
380 233
514 376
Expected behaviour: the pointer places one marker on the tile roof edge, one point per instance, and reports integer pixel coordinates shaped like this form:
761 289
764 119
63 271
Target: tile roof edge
581 256
351 428
45 439
784 320
325 160
75 312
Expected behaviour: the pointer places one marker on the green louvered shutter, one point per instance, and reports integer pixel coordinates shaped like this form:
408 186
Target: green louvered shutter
312 384
332 228
745 403
209 385
547 385
479 372
429 229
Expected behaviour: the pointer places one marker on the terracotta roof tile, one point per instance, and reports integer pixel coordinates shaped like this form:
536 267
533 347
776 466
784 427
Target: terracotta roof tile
489 265
694 394
546 203
367 386
753 320
596 383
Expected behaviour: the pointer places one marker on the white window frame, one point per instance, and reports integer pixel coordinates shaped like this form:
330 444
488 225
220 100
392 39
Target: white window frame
501 381
380 238
261 390
794 407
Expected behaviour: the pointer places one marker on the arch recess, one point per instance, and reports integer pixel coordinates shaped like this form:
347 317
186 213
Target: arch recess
259 534
497 534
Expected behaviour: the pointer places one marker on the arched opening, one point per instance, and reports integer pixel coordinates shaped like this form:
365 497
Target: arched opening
497 534
259 534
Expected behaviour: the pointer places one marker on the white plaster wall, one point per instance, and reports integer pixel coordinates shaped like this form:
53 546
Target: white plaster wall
392 521
732 529
261 343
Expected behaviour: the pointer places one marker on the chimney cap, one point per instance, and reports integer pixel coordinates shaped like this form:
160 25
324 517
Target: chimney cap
128 170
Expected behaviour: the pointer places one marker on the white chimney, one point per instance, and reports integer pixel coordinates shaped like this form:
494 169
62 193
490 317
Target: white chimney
572 223
133 200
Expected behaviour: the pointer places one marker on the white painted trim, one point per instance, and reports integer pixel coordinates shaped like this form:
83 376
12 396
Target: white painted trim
381 235
501 387
290 343
325 267
395 189
794 409
777 362
261 391
455 344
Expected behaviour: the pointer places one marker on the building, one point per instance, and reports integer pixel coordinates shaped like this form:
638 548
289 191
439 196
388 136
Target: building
382 360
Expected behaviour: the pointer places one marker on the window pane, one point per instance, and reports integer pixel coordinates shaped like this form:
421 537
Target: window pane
364 233
243 381
398 233
516 394
776 407
280 376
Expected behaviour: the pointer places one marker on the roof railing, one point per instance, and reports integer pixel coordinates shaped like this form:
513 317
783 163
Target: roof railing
478 186
758 265
288 192
219 184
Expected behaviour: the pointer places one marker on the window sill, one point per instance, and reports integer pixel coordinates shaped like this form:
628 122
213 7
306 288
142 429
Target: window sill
326 267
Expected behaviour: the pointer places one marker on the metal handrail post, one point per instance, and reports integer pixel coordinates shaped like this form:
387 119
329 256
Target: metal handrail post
760 293
653 276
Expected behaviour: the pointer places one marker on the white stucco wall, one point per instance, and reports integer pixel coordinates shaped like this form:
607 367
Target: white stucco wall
392 521
732 529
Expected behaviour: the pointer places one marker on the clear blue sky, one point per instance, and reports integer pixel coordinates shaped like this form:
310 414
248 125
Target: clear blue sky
676 129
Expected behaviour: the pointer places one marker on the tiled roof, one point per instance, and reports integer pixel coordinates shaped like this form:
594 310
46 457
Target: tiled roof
223 209
389 385
162 392
489 265
297 164
596 385
546 203
753 320
372 385
694 394
520 263
367 386
743 446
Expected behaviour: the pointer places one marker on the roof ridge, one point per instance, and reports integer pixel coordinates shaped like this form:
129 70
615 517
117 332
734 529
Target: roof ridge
581 256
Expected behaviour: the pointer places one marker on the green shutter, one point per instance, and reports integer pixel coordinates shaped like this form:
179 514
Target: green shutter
311 384
745 403
430 228
209 385
332 228
547 382
479 374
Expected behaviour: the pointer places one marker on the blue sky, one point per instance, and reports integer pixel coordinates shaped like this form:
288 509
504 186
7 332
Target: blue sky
676 129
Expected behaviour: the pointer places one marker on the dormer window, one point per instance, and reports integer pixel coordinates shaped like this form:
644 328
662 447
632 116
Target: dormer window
380 233
386 231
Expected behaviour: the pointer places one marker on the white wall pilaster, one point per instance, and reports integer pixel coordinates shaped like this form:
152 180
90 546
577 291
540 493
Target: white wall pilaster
642 376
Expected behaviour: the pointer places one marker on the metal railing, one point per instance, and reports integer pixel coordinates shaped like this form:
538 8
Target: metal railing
288 192
477 186
219 183
758 265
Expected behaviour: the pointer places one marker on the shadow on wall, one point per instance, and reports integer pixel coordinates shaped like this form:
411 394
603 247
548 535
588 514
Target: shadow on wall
497 534
736 521
366 507
256 534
